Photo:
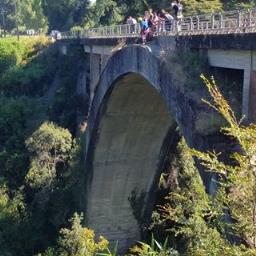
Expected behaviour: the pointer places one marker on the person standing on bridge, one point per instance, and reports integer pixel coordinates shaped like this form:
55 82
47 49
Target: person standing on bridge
156 23
144 29
168 20
132 22
177 8
146 15
180 8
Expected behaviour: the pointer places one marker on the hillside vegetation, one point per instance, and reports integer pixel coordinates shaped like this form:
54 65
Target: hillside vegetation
42 16
41 159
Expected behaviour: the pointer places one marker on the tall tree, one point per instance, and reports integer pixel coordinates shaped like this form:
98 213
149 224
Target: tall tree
194 7
238 4
64 14
107 12
237 191
50 147
31 15
134 8
7 8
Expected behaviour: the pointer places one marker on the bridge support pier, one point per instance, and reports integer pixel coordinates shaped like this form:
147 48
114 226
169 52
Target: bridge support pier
246 93
252 110
239 60
95 70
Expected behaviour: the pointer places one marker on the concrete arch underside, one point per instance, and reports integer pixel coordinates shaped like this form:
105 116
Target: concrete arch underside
126 158
135 106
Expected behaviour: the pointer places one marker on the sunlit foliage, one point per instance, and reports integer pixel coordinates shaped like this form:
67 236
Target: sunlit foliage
78 241
237 190
50 148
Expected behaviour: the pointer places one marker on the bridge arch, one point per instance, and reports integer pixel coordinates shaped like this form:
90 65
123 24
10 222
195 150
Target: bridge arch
135 109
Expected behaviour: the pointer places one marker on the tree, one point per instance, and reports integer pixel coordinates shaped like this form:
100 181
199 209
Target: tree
237 192
238 4
107 12
49 201
194 7
134 8
64 14
12 222
153 249
191 7
186 214
78 241
14 125
32 16
50 148
7 6
191 219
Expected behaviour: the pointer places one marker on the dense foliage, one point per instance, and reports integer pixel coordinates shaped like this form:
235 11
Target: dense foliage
221 224
43 15
78 241
26 14
40 162
24 68
41 174
237 190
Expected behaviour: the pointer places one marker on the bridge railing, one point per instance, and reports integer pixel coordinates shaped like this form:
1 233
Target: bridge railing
227 22
241 21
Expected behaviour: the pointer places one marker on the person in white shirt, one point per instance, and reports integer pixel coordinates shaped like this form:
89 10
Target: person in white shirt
132 22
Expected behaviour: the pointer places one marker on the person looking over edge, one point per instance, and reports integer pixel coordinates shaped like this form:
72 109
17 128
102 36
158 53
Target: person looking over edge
166 20
144 29
150 11
132 22
175 8
129 20
152 26
156 22
180 8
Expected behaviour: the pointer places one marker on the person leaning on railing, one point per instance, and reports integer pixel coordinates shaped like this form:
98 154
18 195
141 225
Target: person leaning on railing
156 23
144 29
132 22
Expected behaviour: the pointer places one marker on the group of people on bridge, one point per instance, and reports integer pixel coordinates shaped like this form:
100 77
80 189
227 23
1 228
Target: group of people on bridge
154 22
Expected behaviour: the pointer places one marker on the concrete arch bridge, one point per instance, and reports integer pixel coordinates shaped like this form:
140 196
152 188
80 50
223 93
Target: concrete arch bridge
138 99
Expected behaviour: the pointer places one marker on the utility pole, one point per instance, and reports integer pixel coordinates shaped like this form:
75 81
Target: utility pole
3 19
16 7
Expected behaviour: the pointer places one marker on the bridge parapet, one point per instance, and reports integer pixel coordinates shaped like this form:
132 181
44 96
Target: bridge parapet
228 40
137 104
232 22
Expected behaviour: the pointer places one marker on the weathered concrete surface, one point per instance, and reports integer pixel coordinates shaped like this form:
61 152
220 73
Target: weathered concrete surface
236 51
237 59
95 70
137 101
227 51
244 41
253 97
126 157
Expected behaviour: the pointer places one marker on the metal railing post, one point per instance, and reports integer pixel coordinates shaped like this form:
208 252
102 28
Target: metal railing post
231 21
221 20
212 21
238 19
173 26
191 23
198 23
250 17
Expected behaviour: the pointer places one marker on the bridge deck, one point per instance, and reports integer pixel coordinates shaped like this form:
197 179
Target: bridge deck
232 22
